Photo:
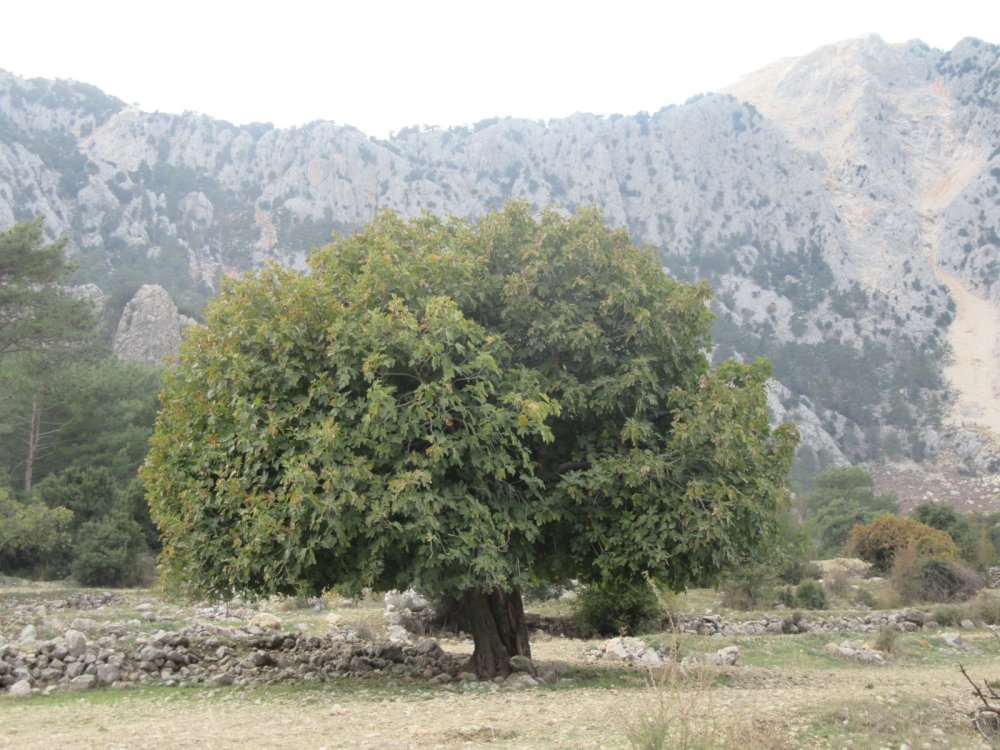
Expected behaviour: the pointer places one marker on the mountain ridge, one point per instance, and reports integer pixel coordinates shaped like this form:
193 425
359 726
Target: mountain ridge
838 203
944 164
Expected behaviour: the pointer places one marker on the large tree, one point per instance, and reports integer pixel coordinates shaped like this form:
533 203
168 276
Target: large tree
459 408
42 327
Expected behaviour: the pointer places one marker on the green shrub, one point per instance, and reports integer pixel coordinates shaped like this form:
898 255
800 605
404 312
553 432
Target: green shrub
793 561
544 591
811 595
886 638
612 608
132 501
970 532
87 491
794 570
948 615
864 598
843 497
33 537
984 608
786 596
946 581
749 587
922 579
792 623
837 580
987 609
108 552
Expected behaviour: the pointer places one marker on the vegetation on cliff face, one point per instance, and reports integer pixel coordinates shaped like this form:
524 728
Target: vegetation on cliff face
833 251
826 258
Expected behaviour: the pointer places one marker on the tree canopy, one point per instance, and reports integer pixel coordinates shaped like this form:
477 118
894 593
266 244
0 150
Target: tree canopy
461 407
35 313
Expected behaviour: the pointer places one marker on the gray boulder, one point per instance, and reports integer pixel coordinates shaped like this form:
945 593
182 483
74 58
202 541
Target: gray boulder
83 682
20 689
76 642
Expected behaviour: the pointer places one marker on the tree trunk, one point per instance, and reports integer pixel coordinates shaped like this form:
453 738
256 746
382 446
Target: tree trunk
498 630
34 429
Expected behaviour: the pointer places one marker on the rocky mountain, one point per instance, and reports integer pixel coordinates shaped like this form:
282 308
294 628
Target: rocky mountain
844 206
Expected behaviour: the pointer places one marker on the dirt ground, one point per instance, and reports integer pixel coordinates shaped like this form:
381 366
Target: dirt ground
751 707
788 692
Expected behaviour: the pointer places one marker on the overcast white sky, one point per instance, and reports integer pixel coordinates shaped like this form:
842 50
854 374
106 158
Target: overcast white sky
383 65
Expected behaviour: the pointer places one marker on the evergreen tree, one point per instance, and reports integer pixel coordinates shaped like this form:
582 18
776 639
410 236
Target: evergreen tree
463 408
36 314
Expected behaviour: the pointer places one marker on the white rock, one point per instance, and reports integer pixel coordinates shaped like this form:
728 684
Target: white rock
108 674
399 634
76 642
521 680
400 600
150 328
954 640
869 657
83 682
20 689
266 621
650 658
727 657
521 663
624 649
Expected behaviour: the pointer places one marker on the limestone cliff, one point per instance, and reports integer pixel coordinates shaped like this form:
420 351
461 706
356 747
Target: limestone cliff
844 206
150 327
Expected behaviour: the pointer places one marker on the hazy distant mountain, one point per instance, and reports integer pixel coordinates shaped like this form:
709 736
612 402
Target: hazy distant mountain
844 206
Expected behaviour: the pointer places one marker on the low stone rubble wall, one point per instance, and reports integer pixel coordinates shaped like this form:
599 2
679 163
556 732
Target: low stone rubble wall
211 655
208 649
905 620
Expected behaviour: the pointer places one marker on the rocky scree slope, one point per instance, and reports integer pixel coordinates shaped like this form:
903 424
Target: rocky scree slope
910 140
839 204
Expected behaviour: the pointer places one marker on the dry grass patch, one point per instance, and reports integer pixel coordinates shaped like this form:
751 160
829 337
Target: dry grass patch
478 735
880 721
685 709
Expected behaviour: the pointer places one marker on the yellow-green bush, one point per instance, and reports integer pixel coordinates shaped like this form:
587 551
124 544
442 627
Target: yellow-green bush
878 542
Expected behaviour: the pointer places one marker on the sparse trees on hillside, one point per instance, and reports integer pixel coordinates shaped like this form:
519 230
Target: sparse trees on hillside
843 497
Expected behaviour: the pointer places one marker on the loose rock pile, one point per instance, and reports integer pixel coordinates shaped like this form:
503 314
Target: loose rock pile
634 651
858 651
407 614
